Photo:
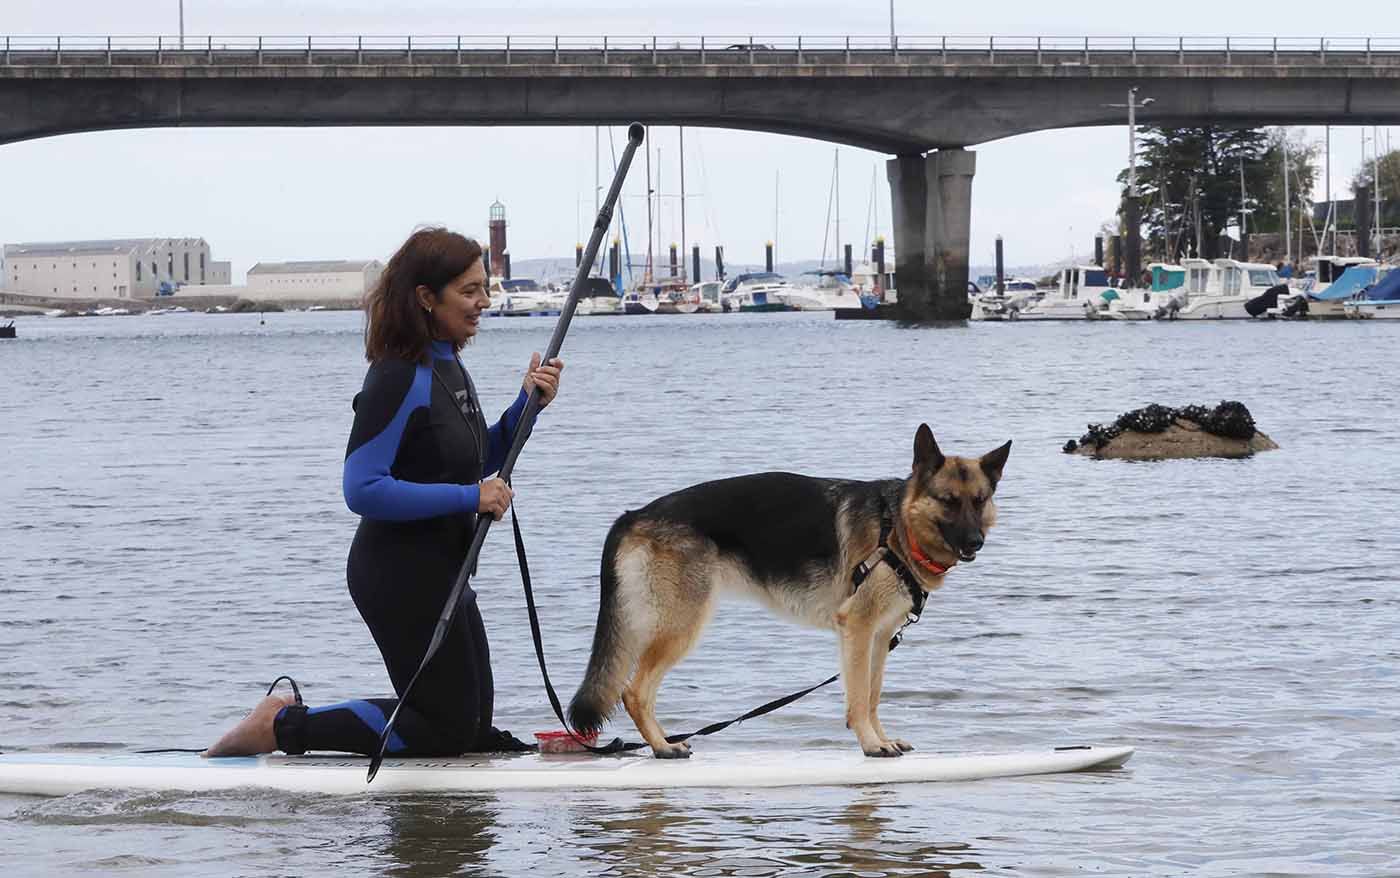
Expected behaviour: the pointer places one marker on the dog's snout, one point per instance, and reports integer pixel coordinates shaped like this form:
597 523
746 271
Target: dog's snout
974 542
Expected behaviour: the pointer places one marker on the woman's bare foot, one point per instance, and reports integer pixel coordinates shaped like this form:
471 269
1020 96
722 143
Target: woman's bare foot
253 734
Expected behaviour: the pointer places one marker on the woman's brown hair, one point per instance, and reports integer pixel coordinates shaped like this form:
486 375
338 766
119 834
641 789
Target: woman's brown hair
396 326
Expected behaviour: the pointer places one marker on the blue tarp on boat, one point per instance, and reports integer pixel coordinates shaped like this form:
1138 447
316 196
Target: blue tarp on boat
1353 280
1387 290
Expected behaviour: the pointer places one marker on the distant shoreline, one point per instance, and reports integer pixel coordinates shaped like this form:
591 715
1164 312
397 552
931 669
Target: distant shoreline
25 305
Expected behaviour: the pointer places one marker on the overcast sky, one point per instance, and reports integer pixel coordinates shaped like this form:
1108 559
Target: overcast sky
280 194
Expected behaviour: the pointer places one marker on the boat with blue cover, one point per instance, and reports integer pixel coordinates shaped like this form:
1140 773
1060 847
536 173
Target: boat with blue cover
1380 300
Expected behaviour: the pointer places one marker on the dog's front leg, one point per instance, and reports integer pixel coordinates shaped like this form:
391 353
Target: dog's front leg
877 682
855 626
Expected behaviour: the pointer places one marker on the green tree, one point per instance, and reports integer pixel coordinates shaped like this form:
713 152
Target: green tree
1390 174
1189 182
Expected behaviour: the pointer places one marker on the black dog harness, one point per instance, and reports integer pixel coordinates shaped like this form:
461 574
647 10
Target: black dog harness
884 554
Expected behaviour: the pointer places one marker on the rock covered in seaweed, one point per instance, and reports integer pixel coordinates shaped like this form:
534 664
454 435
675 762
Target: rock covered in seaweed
1158 432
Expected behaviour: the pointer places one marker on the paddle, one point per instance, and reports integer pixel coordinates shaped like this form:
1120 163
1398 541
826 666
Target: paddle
635 134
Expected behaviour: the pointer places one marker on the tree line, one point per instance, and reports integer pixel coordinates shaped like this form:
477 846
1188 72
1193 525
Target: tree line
1196 182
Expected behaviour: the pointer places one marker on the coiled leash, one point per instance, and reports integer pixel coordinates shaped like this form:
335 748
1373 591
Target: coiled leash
296 693
617 745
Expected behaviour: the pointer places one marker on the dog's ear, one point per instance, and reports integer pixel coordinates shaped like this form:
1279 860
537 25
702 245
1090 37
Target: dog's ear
993 461
926 453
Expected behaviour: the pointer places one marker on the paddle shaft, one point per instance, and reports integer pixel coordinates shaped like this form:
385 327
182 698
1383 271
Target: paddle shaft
635 135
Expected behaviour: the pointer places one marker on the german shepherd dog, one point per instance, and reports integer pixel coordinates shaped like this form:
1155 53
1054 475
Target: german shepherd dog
794 543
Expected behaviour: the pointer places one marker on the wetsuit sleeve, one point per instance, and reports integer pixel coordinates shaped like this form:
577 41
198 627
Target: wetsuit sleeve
498 437
393 390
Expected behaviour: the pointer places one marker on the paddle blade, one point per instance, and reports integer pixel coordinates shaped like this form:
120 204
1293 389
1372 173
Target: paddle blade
378 758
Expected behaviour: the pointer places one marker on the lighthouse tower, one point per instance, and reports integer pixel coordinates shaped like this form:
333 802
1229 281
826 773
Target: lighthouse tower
499 261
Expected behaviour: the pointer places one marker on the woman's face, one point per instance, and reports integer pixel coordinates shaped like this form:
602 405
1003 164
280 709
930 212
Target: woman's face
457 314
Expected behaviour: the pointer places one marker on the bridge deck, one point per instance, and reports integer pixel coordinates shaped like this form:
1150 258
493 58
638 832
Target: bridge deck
623 60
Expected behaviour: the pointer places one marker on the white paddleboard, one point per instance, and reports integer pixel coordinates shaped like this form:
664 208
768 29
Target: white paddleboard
54 774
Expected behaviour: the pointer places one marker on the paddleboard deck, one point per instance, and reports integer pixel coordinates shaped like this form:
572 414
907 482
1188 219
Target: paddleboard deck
55 774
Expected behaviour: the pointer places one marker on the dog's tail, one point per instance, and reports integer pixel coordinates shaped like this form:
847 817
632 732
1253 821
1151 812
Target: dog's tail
612 657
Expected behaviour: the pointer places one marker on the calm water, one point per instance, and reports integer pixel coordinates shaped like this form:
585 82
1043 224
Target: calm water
174 537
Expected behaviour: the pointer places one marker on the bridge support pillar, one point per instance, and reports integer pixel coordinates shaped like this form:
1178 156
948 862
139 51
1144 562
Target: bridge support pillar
932 200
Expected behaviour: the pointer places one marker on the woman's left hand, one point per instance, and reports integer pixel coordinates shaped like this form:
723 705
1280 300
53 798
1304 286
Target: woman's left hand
545 377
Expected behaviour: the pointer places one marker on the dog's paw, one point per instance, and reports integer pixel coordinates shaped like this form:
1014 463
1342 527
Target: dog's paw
883 749
672 751
903 745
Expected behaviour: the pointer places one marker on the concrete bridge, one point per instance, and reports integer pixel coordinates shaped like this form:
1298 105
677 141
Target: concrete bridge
921 100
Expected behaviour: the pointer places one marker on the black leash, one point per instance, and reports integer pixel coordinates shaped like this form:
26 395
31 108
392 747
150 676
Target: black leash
617 745
296 692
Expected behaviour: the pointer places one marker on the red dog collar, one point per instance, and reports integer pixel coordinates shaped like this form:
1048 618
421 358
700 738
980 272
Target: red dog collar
920 558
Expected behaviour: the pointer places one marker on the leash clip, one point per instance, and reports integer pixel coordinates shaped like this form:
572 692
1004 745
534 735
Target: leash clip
912 617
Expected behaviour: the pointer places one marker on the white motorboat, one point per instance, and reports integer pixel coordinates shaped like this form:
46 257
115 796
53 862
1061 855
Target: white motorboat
708 294
1017 293
754 291
825 291
1078 290
525 298
1130 303
1219 290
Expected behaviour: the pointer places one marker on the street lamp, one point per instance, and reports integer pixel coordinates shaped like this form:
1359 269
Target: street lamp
1133 220
1132 106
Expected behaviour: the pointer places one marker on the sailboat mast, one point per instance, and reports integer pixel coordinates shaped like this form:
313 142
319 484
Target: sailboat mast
646 272
596 186
875 197
656 273
683 240
838 205
1331 205
1287 205
1376 184
777 176
1243 212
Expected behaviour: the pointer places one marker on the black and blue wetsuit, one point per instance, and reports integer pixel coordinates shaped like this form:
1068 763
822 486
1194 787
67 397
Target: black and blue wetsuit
417 450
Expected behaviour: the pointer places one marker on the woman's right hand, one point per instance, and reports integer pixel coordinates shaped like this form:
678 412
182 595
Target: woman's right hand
495 498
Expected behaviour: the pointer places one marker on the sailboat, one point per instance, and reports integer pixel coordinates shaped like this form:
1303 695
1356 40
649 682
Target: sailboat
825 289
656 295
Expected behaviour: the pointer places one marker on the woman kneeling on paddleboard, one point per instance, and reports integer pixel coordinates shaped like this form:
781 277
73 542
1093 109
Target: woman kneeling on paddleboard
419 451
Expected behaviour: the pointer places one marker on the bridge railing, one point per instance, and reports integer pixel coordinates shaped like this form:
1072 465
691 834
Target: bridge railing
29 50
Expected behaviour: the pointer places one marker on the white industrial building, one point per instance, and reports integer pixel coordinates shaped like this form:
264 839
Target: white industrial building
329 279
127 268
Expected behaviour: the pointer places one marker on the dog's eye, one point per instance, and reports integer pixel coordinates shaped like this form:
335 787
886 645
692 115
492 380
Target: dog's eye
979 499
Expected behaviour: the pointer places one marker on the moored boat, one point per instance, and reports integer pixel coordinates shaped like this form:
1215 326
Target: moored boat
674 296
754 291
821 291
597 298
1327 286
1380 301
522 297
1355 275
1078 289
1220 290
707 293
